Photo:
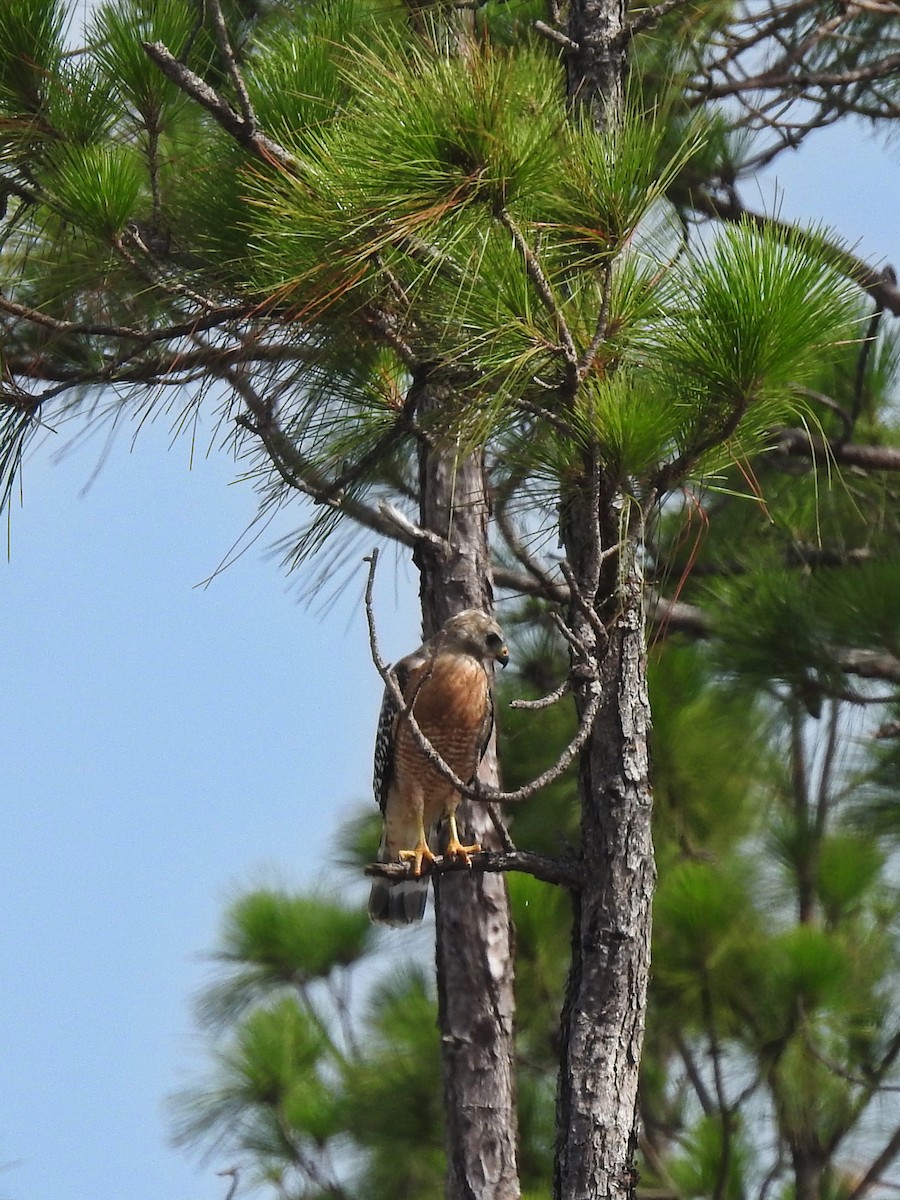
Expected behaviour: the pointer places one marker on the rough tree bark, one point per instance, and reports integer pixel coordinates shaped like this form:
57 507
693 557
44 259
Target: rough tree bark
595 65
474 947
603 1015
602 1024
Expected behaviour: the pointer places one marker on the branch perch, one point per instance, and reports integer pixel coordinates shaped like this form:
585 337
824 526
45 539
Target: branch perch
561 871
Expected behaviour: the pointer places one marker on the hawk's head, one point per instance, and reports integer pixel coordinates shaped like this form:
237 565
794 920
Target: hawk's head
475 633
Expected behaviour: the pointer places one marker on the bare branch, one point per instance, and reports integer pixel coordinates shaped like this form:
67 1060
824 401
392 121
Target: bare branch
646 18
555 35
407 529
868 664
872 1177
528 585
519 550
799 443
223 41
259 144
563 872
601 327
553 698
235 1173
544 290
581 601
774 79
206 320
304 476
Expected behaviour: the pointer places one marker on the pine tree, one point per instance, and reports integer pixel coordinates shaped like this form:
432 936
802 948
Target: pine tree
432 264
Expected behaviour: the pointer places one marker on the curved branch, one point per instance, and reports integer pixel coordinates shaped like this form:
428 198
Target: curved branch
304 476
798 443
546 701
545 291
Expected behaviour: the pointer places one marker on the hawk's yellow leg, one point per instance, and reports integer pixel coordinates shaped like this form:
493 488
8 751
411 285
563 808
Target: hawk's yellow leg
455 848
421 853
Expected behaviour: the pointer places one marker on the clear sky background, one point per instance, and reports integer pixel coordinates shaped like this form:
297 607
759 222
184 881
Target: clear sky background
165 745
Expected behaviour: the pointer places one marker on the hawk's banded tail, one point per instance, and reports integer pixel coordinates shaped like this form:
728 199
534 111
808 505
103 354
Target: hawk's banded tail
397 902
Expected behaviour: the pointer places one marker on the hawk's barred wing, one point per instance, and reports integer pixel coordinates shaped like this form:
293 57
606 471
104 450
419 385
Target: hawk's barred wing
383 765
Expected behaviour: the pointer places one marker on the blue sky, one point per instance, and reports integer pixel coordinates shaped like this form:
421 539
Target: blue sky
165 745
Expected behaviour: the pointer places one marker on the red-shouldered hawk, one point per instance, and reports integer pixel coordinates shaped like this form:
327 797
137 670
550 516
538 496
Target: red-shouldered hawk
448 680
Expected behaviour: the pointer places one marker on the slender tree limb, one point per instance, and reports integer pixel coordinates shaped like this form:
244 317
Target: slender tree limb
563 872
518 548
259 144
202 321
868 664
676 616
845 418
235 1174
553 419
799 443
544 290
601 327
417 535
87 329
581 602
555 35
303 476
723 1108
226 50
501 828
546 701
884 1159
697 1081
768 80
646 18
674 472
157 368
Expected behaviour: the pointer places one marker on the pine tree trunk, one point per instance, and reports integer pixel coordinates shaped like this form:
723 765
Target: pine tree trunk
603 1015
596 69
474 945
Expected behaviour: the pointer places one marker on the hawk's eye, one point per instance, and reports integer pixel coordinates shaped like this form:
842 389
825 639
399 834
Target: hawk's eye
494 641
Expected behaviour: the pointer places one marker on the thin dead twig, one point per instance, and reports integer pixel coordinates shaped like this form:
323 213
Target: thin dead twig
546 701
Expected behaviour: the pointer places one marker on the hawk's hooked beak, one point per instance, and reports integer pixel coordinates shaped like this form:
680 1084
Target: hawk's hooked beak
502 655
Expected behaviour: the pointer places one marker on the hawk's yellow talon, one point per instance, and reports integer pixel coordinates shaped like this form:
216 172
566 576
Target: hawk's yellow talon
455 849
421 853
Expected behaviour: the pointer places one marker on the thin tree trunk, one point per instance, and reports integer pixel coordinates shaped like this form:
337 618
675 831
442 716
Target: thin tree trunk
474 946
603 1015
596 69
808 1167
